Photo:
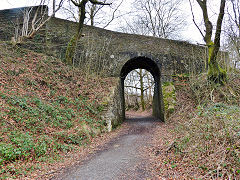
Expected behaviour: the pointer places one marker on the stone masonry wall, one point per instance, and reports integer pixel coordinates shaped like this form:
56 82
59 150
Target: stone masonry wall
112 112
106 51
8 20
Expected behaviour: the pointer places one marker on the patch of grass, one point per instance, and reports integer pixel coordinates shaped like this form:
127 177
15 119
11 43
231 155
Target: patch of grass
32 111
204 91
28 138
25 146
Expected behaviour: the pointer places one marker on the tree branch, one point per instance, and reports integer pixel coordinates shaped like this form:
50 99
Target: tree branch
99 3
194 19
208 24
113 15
219 23
75 3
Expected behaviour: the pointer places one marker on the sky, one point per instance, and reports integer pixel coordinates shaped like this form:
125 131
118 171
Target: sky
191 33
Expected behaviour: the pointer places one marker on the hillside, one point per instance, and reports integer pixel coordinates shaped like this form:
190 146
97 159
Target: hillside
201 139
47 109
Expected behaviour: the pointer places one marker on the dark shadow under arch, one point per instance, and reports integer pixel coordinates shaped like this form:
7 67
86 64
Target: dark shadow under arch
154 69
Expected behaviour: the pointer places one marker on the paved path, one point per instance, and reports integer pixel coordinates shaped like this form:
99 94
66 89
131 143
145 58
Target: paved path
120 159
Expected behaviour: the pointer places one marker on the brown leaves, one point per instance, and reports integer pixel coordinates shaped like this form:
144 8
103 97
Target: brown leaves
29 75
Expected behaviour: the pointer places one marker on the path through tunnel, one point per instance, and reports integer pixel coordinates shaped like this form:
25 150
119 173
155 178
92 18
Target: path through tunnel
151 66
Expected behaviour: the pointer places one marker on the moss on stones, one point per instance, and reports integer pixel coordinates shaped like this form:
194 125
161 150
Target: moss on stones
169 98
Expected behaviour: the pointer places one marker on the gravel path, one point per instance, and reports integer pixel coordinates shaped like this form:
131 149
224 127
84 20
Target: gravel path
119 159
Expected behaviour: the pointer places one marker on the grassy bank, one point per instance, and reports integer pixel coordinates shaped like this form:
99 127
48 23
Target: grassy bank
47 109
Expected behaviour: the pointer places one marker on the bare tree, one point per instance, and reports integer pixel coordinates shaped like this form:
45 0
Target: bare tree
96 15
34 18
139 86
54 8
135 26
81 4
158 18
215 72
70 11
232 30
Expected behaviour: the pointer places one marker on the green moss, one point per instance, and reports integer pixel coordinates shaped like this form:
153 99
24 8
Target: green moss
71 50
169 98
215 73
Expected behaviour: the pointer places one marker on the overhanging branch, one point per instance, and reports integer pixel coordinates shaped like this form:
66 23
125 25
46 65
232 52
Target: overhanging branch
99 2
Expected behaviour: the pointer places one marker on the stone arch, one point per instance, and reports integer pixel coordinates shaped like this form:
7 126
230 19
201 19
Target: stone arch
154 68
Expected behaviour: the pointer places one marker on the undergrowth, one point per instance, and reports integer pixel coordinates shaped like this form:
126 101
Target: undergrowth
47 109
208 138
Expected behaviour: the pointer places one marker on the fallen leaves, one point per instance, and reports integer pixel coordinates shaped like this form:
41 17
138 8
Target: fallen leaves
25 74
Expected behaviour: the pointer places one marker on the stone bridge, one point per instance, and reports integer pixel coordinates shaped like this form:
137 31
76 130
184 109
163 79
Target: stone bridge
109 53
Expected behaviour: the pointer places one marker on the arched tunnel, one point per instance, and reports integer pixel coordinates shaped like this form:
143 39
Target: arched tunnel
154 69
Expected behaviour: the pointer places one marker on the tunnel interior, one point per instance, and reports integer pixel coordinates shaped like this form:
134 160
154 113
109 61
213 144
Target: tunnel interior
154 69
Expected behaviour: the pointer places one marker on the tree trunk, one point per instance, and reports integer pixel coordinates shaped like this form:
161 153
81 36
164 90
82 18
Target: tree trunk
54 7
72 45
215 73
142 90
92 13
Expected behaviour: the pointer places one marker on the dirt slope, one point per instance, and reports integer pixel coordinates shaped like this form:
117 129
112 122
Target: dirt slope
48 109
